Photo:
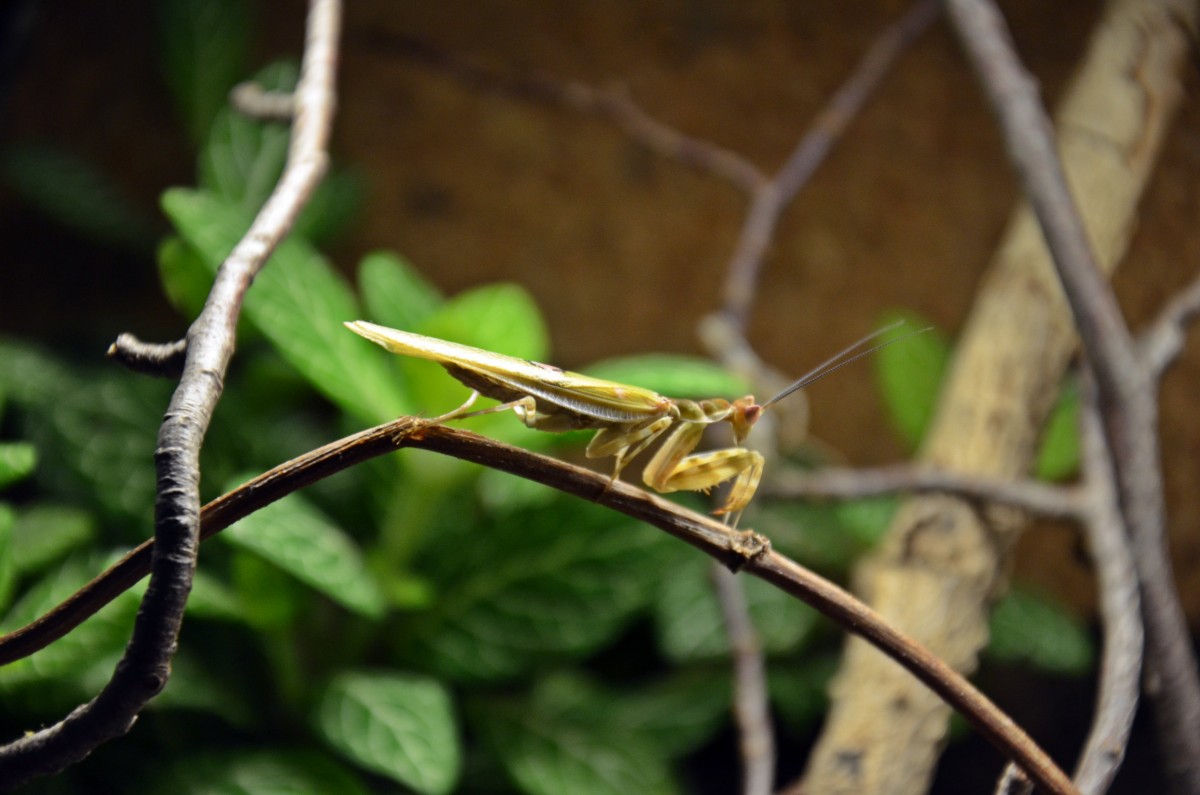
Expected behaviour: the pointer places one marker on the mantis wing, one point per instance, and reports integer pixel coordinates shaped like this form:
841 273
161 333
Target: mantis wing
500 376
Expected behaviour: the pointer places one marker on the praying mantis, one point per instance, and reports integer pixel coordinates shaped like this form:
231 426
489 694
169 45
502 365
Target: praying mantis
627 419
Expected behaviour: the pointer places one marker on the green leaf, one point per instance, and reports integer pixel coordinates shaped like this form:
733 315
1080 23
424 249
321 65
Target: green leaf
300 540
78 195
243 158
690 624
185 278
249 772
1059 455
556 582
8 579
1034 629
673 376
78 664
17 461
551 754
909 374
45 533
799 689
395 294
300 304
675 714
496 317
334 204
204 46
95 431
402 727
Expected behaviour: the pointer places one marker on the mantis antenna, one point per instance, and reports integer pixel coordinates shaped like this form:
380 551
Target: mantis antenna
840 360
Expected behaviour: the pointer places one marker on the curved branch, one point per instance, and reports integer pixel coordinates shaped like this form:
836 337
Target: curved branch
145 667
738 550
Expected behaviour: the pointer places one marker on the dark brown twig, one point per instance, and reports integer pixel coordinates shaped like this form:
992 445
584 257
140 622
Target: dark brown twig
143 671
1125 384
161 359
756 739
1013 782
738 550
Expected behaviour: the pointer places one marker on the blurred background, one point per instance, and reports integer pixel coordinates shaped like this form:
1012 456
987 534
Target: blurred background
106 106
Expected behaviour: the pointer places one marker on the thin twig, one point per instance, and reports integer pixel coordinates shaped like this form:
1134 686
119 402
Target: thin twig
756 739
143 671
251 100
161 359
1125 384
1042 499
773 196
738 550
1163 341
612 104
1120 610
1013 782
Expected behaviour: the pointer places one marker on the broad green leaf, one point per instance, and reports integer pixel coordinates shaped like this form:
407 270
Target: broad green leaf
46 532
402 727
78 664
673 376
690 624
333 207
204 46
394 293
185 278
17 460
299 539
243 158
8 570
556 582
866 519
799 689
550 754
78 195
676 713
812 533
253 772
496 317
1059 454
1030 628
197 687
909 374
300 304
94 431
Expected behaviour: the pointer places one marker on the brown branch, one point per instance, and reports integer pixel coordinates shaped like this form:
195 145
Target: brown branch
612 104
160 359
772 197
1125 384
756 740
144 669
1042 499
737 550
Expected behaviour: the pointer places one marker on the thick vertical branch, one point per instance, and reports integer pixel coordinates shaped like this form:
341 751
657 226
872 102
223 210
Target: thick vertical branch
943 560
145 667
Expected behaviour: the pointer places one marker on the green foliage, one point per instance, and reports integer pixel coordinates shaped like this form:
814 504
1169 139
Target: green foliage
1058 457
674 376
399 726
273 772
76 194
17 460
1036 630
204 47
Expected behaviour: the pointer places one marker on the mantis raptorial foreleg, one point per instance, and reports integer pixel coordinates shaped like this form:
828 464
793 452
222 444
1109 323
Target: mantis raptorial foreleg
675 468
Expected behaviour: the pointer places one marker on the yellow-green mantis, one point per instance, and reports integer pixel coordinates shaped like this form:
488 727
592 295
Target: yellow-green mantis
627 419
